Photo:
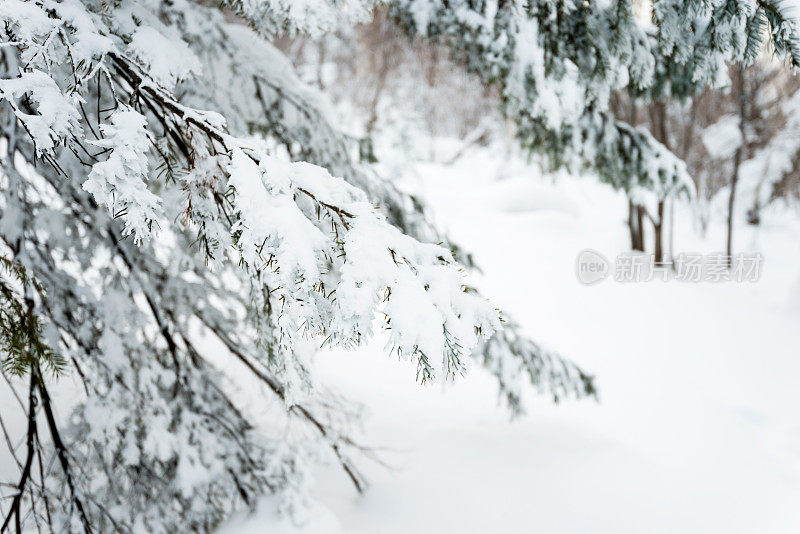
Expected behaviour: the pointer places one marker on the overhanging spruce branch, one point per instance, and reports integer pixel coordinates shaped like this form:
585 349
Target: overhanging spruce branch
87 205
784 28
352 472
39 397
143 85
562 379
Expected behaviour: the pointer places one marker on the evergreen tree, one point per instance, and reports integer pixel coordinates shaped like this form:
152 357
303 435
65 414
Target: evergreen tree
773 137
557 63
148 198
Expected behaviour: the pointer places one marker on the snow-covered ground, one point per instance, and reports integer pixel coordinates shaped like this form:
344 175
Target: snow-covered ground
697 427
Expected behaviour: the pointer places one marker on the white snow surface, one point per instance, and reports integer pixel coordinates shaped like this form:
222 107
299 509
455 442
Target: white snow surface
696 429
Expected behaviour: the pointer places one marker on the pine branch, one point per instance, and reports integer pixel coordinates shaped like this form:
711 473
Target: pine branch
61 450
355 477
785 37
14 509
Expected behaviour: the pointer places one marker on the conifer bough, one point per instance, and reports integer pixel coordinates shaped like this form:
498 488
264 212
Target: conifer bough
147 198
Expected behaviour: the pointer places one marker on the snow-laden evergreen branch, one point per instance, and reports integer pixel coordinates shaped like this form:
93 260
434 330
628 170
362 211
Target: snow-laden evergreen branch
162 122
308 16
557 63
104 139
280 107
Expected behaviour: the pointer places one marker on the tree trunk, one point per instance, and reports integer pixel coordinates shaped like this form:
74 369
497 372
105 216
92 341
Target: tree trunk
659 120
640 226
732 199
737 158
671 240
633 225
658 230
635 214
754 213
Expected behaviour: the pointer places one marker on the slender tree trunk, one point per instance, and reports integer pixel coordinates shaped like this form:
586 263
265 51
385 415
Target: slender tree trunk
732 200
754 213
659 120
640 226
737 158
380 84
688 143
635 214
636 226
671 229
658 231
691 123
633 228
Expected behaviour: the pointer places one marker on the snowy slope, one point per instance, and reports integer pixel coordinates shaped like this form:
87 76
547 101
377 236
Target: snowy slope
696 429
